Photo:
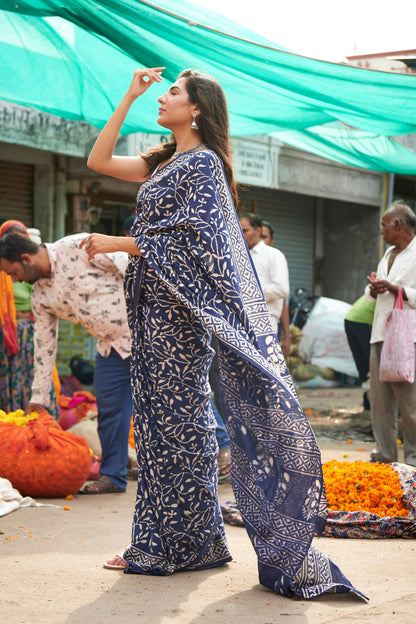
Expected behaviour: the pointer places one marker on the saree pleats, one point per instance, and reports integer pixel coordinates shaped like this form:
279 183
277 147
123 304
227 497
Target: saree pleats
177 521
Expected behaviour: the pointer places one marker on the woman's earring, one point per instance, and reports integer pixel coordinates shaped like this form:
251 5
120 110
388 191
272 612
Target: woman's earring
194 125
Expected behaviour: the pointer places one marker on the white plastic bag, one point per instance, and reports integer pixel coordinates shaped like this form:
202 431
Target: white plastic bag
324 341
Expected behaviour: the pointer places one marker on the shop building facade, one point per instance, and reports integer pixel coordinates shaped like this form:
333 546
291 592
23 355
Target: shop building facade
325 215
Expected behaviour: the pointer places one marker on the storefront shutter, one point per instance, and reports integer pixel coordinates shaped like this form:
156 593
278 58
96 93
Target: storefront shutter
292 217
16 192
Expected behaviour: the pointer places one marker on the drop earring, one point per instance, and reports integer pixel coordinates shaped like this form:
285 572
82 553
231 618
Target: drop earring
194 125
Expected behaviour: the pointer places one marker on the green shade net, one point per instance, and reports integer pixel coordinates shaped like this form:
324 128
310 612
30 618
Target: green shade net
78 67
353 147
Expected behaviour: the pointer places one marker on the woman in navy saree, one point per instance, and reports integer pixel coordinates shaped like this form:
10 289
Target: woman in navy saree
189 277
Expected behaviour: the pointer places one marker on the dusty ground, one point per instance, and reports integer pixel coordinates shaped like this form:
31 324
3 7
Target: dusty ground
51 560
337 414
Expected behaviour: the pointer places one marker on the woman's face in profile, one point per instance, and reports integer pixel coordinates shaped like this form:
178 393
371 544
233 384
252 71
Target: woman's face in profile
175 108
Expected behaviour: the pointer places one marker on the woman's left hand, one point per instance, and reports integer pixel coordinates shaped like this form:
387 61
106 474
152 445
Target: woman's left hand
98 243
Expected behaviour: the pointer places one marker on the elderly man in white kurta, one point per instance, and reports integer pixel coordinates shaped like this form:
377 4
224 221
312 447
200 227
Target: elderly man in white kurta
271 267
396 269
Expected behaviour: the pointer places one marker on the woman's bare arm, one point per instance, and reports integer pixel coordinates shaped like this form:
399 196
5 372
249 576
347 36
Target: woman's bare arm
101 158
101 243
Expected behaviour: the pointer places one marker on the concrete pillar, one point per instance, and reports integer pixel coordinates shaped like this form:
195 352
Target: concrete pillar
43 200
60 209
319 248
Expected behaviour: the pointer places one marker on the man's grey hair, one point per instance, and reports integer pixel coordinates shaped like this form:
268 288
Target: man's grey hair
402 212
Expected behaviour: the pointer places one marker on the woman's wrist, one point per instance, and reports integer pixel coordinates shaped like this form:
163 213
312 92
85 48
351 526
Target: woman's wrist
128 244
130 97
94 244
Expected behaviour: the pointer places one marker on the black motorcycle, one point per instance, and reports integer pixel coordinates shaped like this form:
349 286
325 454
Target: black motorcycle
300 306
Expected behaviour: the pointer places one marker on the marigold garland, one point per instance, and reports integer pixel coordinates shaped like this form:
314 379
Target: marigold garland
18 417
363 486
131 435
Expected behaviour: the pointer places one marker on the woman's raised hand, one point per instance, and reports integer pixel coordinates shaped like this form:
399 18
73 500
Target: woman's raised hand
143 79
102 158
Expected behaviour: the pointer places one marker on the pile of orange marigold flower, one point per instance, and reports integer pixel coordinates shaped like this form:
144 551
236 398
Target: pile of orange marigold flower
363 486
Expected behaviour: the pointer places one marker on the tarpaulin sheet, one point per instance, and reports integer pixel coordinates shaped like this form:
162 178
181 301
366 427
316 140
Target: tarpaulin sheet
75 58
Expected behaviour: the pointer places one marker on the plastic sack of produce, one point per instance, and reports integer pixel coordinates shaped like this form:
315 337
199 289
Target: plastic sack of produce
324 341
39 458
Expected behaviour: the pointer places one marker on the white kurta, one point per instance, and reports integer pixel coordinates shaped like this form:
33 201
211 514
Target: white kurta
273 273
402 273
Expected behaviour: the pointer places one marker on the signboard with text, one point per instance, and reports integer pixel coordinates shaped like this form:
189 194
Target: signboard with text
255 163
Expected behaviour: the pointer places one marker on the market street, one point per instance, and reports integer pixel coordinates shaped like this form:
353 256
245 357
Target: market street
52 565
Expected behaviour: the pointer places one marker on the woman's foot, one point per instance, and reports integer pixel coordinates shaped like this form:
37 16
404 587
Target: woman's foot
116 563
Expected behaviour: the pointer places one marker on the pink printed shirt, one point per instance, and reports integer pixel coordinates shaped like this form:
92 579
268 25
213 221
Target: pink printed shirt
80 291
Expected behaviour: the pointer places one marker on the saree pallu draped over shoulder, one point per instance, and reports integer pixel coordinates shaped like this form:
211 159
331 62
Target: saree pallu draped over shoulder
196 279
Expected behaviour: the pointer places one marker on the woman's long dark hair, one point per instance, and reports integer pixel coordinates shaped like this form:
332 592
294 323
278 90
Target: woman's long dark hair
213 124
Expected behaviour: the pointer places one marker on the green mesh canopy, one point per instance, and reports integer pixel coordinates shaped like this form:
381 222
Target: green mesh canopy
75 59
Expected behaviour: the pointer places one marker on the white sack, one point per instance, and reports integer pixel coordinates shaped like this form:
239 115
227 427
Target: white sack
324 341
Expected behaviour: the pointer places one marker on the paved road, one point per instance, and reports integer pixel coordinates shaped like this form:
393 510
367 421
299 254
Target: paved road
51 571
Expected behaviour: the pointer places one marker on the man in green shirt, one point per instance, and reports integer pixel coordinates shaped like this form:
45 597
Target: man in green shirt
358 323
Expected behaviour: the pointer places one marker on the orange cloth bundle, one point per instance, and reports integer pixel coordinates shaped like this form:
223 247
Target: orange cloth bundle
40 459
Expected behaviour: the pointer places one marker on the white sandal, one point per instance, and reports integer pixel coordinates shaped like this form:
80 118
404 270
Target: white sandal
115 566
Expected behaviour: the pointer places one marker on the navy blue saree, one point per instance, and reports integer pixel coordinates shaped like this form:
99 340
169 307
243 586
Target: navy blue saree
196 279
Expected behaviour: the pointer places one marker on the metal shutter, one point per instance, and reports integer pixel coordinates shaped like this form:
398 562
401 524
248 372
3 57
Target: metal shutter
16 192
292 217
